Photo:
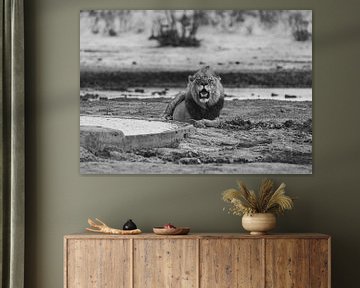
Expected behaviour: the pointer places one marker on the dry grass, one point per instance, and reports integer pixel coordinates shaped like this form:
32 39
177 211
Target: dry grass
267 200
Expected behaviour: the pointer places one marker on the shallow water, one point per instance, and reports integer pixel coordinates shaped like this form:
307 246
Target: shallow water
301 94
284 94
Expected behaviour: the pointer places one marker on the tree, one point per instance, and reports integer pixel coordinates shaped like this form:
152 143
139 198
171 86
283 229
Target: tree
176 29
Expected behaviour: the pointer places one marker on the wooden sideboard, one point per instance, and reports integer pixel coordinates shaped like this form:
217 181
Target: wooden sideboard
197 260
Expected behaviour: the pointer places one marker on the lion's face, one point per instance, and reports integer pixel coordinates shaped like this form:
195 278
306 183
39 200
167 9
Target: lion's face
205 87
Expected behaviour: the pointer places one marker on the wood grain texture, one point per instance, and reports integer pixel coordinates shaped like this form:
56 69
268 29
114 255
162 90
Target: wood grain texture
197 260
319 263
287 263
98 264
165 263
231 263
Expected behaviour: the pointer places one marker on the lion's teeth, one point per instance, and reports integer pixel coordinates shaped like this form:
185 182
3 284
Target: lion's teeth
204 95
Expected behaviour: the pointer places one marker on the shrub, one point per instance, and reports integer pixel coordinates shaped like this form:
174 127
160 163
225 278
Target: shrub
172 30
299 27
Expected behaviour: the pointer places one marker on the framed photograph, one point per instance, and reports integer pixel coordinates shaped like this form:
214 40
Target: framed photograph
196 91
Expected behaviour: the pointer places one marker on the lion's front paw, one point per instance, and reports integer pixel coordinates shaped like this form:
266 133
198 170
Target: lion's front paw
198 123
213 123
203 123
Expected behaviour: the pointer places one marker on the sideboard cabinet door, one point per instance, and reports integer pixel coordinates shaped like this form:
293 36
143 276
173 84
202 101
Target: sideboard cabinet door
231 263
320 263
297 263
165 263
98 263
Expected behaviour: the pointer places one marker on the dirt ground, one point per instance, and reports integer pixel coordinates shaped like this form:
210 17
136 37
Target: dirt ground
254 137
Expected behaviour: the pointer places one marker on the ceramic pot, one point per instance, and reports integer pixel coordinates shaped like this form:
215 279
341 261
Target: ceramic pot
259 223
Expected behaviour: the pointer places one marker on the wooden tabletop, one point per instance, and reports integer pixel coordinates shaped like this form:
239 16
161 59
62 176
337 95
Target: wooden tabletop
89 235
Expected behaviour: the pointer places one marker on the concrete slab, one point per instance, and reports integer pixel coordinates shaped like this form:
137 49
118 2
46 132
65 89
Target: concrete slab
99 133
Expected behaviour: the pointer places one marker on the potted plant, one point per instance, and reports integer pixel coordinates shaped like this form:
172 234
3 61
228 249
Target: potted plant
258 210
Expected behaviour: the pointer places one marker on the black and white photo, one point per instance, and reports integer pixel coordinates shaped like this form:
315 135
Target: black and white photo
196 92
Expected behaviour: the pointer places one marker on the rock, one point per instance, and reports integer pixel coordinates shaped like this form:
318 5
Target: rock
119 156
139 90
288 123
239 123
147 153
89 97
223 160
86 155
188 161
240 160
158 93
307 126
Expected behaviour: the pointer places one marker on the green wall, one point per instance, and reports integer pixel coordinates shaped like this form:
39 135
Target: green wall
59 200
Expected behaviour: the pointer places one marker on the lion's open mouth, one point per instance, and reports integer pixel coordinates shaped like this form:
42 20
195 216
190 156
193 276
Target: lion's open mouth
204 95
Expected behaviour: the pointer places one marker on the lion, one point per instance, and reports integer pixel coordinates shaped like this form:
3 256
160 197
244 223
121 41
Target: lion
202 100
